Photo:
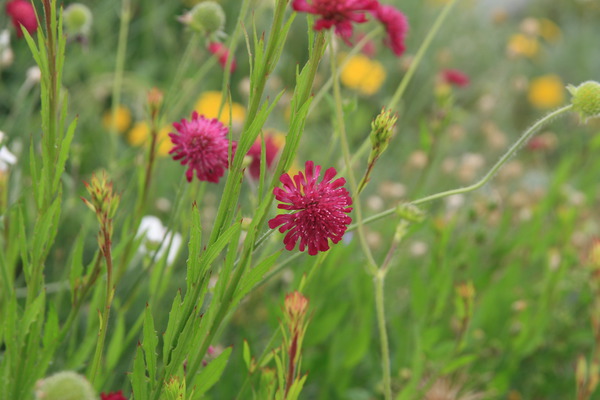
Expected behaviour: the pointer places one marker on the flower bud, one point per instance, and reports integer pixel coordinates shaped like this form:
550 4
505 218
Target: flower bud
78 19
206 17
381 132
66 385
586 99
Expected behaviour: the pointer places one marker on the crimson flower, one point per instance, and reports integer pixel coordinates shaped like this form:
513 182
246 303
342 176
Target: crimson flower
396 26
338 13
113 396
271 150
455 77
22 15
219 50
319 209
202 144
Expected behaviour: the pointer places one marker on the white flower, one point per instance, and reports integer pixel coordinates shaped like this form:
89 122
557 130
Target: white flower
158 238
6 157
6 53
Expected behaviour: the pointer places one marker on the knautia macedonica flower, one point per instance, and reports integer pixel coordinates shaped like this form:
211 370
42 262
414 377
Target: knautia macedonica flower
113 396
337 13
396 26
22 15
319 210
222 53
202 145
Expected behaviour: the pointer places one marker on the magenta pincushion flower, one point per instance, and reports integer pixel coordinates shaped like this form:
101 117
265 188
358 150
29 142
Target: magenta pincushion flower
396 26
337 13
319 210
222 53
271 150
202 145
22 16
113 396
455 77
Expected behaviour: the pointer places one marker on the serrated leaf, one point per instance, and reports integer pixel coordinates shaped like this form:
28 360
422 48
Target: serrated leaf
139 382
65 146
211 373
149 345
174 317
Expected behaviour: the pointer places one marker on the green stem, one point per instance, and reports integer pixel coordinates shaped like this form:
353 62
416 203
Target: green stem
106 311
118 77
486 178
339 114
383 337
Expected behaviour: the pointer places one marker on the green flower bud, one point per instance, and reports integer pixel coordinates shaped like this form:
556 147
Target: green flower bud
77 19
66 385
381 132
206 17
410 212
586 99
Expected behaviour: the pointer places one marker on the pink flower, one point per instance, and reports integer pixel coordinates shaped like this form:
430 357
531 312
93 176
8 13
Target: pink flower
202 144
396 25
271 150
22 15
320 209
113 396
219 50
338 13
455 77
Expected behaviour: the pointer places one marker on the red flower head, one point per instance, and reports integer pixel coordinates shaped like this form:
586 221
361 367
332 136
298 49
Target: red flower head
222 53
271 149
455 77
338 13
22 15
113 396
396 25
320 209
202 144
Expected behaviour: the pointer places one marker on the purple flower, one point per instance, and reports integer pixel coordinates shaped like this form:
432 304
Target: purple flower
320 209
202 144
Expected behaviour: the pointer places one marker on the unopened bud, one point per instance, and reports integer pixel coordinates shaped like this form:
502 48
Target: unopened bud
66 385
296 306
410 212
381 132
78 19
206 17
586 99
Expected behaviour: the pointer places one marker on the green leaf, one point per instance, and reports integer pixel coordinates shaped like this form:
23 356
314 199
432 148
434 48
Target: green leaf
174 317
65 146
149 345
211 373
247 356
76 264
139 382
115 346
457 363
254 275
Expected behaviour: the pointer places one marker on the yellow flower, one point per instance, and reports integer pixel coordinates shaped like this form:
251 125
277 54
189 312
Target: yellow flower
549 30
121 122
208 105
547 91
140 135
363 74
523 45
